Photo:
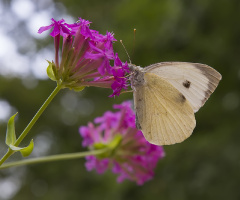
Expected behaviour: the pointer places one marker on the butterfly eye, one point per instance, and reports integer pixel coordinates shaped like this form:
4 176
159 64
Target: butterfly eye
131 66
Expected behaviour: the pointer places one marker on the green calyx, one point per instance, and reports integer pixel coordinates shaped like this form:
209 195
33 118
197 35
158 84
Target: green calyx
111 146
54 74
52 71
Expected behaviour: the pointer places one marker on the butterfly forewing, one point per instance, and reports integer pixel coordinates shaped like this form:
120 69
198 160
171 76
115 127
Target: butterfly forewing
163 113
195 81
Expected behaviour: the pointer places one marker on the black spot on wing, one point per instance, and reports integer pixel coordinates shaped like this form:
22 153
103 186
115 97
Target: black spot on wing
182 98
186 84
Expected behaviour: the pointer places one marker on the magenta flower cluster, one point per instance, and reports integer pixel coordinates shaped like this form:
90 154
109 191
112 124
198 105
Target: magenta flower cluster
86 57
133 157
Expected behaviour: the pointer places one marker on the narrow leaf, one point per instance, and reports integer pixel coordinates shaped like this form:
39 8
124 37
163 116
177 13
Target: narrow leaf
10 135
99 146
25 151
50 72
78 89
115 142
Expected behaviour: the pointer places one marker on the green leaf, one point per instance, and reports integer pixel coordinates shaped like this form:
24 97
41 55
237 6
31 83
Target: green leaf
78 89
25 151
114 144
99 146
10 135
112 147
50 71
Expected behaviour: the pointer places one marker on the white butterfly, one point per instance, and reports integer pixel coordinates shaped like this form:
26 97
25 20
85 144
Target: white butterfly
166 96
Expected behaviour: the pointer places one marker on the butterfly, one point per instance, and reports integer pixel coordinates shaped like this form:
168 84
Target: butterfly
166 96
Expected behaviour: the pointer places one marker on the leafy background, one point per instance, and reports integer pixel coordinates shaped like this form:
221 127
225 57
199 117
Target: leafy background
206 166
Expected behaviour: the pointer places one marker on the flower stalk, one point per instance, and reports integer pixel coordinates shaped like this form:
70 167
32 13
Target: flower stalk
61 157
38 114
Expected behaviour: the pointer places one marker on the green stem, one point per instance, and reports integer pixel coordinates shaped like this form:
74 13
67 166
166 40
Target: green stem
31 123
52 158
6 156
37 115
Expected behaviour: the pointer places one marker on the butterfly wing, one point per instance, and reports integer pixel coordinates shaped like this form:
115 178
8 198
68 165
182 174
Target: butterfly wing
195 81
162 112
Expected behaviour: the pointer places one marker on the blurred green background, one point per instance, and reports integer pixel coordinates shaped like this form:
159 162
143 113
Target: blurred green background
205 166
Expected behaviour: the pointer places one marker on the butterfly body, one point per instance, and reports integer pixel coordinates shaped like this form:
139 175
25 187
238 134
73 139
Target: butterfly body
166 95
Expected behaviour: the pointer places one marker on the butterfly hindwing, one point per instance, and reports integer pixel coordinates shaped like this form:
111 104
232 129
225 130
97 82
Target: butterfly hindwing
162 112
195 81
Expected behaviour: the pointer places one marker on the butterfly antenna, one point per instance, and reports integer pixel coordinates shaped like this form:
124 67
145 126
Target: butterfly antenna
134 39
126 91
126 51
128 75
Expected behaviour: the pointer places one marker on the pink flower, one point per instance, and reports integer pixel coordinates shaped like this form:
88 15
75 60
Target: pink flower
85 58
119 70
132 157
59 27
